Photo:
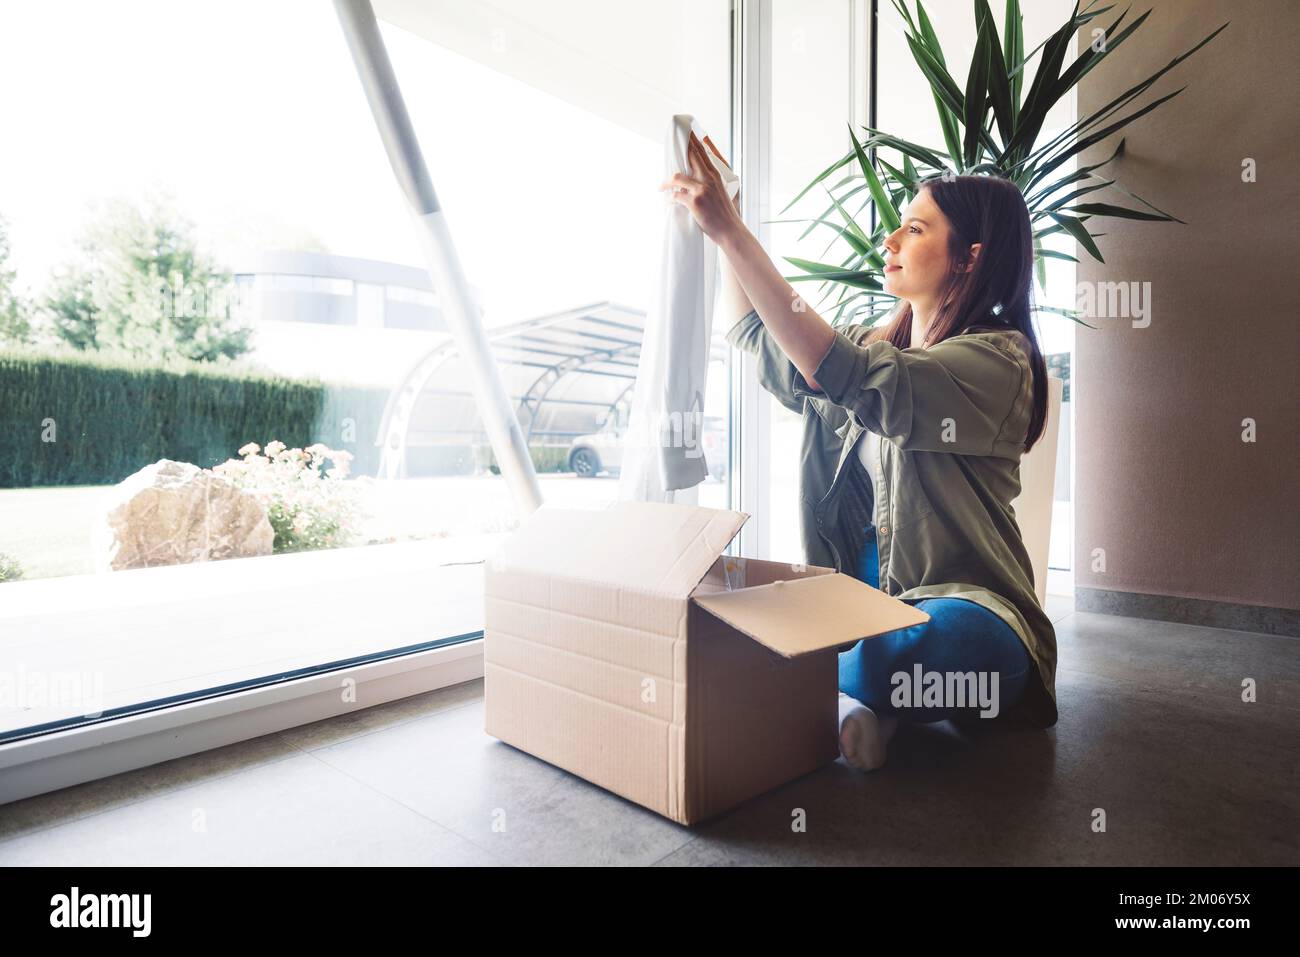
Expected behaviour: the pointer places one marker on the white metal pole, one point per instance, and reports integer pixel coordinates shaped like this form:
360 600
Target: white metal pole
375 70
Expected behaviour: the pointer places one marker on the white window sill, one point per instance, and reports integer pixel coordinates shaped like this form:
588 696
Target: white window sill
180 659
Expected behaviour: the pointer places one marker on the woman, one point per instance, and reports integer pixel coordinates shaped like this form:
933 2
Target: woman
913 432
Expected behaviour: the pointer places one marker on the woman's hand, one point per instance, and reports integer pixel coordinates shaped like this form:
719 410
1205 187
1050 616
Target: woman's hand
704 193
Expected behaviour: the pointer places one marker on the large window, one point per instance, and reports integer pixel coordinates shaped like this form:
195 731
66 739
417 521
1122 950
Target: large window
212 262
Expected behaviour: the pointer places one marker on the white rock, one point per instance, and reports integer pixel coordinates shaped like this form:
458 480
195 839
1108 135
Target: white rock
171 513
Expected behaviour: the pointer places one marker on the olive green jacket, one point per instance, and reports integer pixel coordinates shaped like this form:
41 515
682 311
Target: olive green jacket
952 421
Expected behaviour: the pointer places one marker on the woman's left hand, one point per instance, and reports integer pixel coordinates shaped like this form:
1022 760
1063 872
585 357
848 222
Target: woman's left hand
704 194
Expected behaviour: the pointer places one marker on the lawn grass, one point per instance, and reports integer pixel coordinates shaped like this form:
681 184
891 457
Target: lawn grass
48 529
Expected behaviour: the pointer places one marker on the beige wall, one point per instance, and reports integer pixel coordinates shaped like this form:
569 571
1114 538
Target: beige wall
1165 485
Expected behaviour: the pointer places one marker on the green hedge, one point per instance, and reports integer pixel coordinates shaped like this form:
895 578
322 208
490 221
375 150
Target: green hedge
110 417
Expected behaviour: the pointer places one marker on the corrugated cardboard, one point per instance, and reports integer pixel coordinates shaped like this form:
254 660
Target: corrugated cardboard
621 645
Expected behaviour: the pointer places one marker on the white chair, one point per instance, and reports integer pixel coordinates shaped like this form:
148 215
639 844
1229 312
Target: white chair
1033 506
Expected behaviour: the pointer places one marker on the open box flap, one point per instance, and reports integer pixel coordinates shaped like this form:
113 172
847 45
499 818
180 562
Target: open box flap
803 615
654 546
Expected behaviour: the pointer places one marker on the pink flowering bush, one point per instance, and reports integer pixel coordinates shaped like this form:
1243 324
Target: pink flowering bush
308 506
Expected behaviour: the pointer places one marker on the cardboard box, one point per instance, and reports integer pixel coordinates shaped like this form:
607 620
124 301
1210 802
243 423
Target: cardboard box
622 646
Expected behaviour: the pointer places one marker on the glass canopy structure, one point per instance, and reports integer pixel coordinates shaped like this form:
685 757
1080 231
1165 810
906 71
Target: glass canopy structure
565 375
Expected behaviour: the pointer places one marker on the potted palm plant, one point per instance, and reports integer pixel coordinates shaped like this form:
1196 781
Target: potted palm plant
989 128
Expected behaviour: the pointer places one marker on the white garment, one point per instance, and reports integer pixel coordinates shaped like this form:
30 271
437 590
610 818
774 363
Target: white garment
869 453
662 449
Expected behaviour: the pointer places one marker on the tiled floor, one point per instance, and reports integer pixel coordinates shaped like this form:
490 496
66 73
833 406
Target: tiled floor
1152 731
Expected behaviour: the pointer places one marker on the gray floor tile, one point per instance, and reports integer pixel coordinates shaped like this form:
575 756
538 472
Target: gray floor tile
1204 789
1196 666
1058 607
296 811
521 808
68 804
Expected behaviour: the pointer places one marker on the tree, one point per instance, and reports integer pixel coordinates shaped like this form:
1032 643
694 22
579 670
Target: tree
142 286
15 311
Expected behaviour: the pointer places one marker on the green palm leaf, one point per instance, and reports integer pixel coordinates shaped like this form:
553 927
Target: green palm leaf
1075 228
947 119
852 277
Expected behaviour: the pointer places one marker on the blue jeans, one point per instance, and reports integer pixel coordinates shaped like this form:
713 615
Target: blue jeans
960 637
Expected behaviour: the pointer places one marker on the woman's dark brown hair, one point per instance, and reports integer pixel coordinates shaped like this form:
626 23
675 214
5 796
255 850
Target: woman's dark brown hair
998 292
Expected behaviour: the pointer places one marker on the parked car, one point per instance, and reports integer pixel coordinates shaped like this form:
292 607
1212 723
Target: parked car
602 451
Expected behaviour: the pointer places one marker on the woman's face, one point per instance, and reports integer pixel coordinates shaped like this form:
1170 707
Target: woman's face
920 247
